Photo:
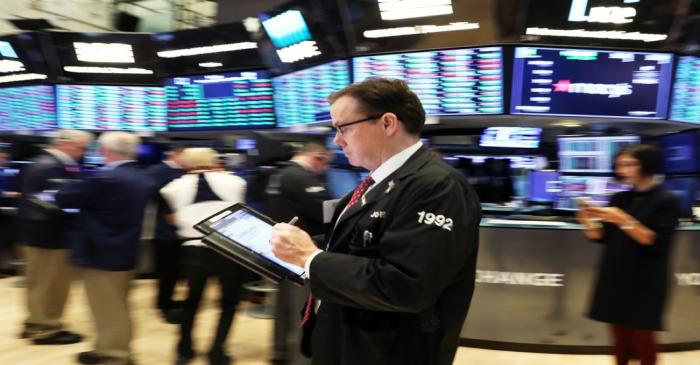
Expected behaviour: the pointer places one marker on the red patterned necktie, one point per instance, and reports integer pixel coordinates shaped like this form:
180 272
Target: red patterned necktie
356 195
360 190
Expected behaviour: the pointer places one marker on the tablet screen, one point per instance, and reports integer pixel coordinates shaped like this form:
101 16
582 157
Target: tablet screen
252 232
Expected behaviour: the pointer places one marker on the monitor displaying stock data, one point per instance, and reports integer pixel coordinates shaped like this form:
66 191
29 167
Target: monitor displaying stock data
591 154
592 83
685 105
101 107
302 97
510 137
27 107
236 100
448 82
598 189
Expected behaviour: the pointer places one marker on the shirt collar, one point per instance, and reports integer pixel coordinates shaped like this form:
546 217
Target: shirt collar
113 165
393 163
61 156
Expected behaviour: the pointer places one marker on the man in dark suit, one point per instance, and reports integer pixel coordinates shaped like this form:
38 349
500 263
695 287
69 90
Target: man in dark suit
106 243
395 281
298 189
166 245
45 234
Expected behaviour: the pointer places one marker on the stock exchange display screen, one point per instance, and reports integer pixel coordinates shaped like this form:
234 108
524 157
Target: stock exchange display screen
448 82
99 107
27 107
302 97
236 100
591 154
685 105
595 83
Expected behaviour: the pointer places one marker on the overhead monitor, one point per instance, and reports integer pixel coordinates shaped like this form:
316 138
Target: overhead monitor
620 23
27 108
236 100
685 104
591 83
302 97
300 34
103 58
510 137
21 60
397 26
448 82
591 154
101 107
223 47
598 189
681 152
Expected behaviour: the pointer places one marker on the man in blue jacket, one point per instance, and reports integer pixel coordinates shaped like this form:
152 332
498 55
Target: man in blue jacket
106 245
45 233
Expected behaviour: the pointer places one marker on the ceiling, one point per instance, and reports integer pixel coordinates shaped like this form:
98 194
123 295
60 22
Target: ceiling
98 15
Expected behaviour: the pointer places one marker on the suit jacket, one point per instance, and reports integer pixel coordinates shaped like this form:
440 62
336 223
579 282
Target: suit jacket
162 174
398 277
39 227
112 204
295 191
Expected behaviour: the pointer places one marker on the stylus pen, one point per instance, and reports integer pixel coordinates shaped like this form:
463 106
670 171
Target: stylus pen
293 221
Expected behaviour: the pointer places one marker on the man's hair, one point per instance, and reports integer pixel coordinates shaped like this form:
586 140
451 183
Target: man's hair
378 95
649 158
311 147
200 158
124 144
72 136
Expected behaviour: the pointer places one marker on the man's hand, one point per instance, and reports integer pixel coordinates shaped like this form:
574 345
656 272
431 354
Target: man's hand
291 244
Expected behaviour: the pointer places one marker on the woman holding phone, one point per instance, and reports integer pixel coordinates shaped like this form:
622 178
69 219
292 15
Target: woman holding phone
637 229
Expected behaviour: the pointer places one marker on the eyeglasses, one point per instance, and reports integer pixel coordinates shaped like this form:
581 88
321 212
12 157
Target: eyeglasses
339 128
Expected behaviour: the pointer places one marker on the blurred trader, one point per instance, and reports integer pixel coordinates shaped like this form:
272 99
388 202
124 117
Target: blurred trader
106 242
637 230
298 189
46 234
203 191
395 281
166 245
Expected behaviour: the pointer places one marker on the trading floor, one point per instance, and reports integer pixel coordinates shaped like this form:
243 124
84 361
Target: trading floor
154 340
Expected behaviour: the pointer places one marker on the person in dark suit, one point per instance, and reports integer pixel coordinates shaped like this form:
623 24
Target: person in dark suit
297 189
106 242
394 283
45 234
637 230
166 245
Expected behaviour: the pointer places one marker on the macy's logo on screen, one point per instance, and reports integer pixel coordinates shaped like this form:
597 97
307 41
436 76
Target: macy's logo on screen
611 90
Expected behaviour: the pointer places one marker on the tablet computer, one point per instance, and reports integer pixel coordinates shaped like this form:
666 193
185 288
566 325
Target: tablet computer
242 234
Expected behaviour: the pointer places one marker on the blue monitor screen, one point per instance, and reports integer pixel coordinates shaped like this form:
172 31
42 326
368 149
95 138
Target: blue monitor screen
543 186
591 154
225 101
597 188
595 83
27 107
448 82
131 108
681 153
513 137
686 189
685 106
287 28
302 97
342 181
